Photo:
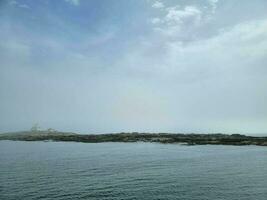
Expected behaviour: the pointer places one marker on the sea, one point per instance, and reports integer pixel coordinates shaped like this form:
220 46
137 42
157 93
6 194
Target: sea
140 171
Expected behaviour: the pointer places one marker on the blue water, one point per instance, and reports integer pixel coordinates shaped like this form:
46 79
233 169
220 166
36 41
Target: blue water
58 170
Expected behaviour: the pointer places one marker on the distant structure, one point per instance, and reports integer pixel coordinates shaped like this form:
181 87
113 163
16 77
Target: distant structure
35 128
51 130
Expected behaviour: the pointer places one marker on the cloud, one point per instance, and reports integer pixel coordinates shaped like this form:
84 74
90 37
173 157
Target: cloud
73 2
240 50
176 15
158 4
234 49
213 4
217 82
12 2
156 20
185 22
24 6
17 4
177 21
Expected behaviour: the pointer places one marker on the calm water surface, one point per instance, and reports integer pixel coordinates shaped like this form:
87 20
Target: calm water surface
57 170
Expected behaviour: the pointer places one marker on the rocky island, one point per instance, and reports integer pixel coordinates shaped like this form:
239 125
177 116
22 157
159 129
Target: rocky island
168 138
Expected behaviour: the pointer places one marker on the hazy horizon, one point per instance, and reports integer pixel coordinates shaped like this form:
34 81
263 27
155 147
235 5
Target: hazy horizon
177 66
88 132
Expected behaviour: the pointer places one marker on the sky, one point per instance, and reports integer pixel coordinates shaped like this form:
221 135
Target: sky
102 66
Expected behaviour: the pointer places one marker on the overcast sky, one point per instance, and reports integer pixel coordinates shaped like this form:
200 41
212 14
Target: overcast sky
99 66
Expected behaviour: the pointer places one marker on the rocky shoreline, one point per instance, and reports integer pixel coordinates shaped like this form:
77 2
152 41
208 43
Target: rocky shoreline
167 138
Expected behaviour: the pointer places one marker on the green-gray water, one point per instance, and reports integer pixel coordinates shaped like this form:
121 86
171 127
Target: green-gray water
58 170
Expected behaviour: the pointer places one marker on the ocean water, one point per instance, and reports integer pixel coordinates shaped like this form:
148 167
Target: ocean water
58 170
